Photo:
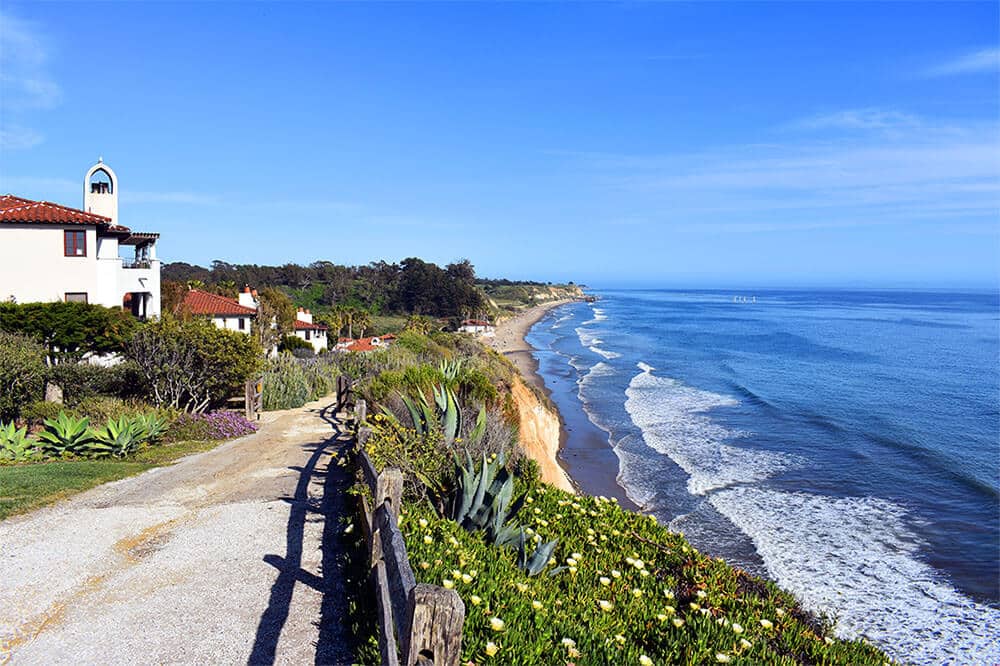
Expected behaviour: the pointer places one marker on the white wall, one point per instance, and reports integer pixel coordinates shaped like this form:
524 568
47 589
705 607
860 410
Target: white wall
317 339
232 323
34 268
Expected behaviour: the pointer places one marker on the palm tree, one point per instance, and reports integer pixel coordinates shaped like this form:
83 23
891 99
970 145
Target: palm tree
363 320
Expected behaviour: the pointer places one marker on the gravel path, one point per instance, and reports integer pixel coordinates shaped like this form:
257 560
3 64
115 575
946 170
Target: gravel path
218 559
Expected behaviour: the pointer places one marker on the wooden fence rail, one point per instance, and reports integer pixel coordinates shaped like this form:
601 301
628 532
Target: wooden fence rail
418 623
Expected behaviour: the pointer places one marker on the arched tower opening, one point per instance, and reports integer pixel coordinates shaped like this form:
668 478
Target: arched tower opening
100 191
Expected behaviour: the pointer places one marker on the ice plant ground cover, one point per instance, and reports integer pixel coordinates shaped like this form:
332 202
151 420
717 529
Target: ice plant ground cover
627 591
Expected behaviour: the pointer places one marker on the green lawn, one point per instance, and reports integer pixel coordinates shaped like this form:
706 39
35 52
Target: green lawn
26 487
382 324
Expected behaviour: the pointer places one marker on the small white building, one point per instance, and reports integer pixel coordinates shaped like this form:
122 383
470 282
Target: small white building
50 252
478 327
226 313
314 334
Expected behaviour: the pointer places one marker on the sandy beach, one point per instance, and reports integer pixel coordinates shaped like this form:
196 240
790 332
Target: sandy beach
510 341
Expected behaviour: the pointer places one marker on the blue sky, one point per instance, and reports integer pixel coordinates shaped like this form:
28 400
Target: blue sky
733 145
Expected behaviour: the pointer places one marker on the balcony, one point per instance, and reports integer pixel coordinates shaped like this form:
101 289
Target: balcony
141 263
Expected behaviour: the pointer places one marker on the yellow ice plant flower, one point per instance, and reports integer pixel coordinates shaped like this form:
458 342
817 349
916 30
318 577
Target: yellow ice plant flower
678 622
529 499
466 578
767 624
605 605
425 565
629 561
572 570
456 573
570 561
619 638
604 580
694 606
491 649
568 642
645 661
615 573
422 522
639 564
448 584
536 604
636 592
701 594
780 612
474 600
737 628
745 644
828 640
669 610
428 538
576 556
661 617
496 624
722 657
521 587
453 541
668 594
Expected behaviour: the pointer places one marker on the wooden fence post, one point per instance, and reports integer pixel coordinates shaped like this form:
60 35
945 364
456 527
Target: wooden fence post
250 401
360 412
436 617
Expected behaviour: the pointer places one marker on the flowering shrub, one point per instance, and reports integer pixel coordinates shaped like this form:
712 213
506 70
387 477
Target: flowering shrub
216 425
627 591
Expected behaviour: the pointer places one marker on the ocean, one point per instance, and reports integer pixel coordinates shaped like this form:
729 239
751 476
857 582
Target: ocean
841 443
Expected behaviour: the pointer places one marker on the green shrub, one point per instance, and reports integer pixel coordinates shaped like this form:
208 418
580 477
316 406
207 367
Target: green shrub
69 330
80 381
22 373
36 413
192 365
285 384
291 343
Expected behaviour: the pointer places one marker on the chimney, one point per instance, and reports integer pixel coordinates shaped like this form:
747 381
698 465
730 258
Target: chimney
304 315
247 299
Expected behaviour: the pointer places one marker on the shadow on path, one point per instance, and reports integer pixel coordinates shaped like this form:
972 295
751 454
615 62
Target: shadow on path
335 642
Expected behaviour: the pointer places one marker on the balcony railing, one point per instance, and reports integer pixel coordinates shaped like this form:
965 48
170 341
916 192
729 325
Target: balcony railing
142 263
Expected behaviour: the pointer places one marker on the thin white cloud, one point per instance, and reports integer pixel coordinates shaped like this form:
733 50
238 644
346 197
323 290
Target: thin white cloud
25 84
15 137
983 60
860 119
920 172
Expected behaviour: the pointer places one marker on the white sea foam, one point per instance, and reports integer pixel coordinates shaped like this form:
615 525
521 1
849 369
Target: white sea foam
590 340
604 352
672 418
855 558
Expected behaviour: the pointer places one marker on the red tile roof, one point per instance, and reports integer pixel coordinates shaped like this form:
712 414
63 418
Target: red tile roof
25 211
203 303
302 326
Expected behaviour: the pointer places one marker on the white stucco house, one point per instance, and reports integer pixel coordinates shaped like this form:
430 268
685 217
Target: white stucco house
478 327
50 252
314 334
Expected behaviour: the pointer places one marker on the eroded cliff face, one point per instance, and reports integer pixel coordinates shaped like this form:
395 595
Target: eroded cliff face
540 432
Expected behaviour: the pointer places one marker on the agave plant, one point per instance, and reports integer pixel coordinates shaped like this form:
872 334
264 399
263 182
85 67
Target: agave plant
118 438
534 563
65 434
448 415
15 445
450 369
151 426
481 501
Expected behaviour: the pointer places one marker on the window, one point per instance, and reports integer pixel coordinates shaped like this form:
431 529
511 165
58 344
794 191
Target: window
243 324
76 297
307 334
75 243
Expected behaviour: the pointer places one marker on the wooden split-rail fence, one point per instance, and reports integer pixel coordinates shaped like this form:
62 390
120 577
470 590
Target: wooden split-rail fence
418 624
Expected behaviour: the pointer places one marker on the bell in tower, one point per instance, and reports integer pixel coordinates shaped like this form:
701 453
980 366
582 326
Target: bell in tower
100 191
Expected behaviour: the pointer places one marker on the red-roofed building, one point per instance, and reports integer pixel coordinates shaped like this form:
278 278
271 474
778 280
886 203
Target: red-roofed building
50 252
225 313
364 344
314 334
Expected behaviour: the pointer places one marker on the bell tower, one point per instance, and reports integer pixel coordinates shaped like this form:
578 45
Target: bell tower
100 191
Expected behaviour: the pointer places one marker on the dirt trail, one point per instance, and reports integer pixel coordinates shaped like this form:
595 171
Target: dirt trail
218 559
